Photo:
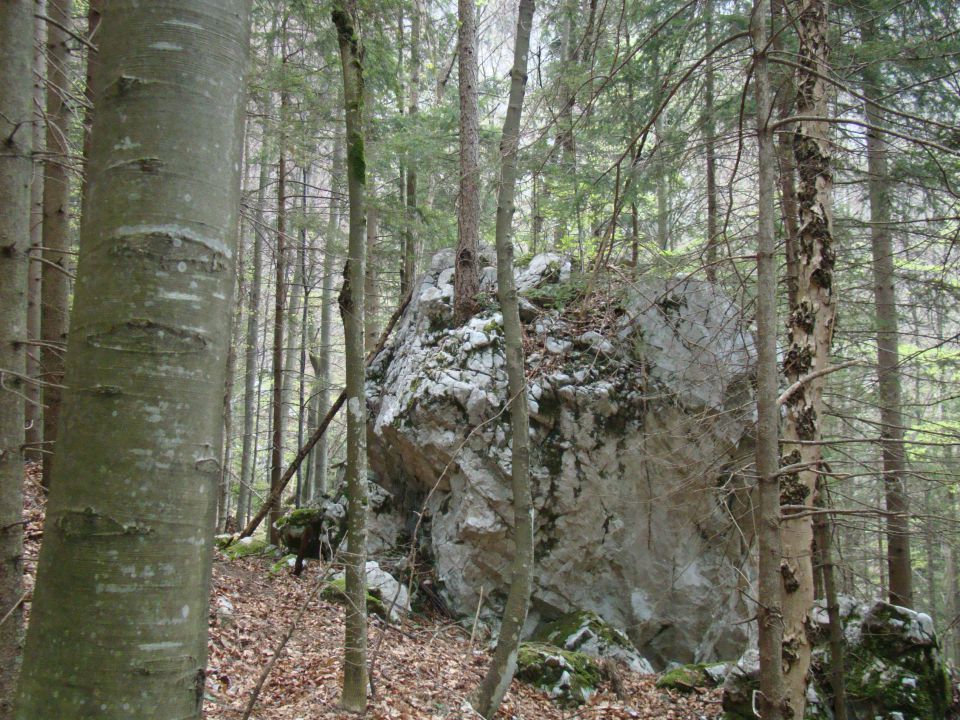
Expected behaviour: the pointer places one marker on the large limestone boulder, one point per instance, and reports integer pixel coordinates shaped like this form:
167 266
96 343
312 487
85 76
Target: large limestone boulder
640 406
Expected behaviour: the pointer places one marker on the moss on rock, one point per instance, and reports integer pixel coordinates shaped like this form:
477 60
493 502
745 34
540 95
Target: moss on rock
569 677
336 591
687 678
586 632
245 547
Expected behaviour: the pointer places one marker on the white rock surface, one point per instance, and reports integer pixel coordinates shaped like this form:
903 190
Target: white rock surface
637 450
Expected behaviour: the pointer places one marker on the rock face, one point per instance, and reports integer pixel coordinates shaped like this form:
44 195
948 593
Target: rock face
640 404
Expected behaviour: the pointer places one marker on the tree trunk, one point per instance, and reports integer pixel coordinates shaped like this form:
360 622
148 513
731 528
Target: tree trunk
899 566
276 436
94 15
504 662
824 541
710 140
302 412
223 489
32 407
409 270
55 290
250 393
769 612
354 697
809 335
125 565
16 174
292 350
466 279
371 329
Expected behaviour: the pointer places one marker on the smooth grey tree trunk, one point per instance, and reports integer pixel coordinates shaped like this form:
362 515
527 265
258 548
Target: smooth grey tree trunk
16 174
119 617
55 288
354 696
466 279
504 662
769 623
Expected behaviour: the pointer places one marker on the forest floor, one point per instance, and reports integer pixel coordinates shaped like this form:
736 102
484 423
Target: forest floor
424 668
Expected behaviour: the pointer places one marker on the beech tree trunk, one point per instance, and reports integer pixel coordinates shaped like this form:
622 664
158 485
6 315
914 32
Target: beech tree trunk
466 278
16 173
354 697
504 662
55 288
809 334
120 610
769 624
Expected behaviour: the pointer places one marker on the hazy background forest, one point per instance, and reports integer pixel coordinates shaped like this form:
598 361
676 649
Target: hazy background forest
638 157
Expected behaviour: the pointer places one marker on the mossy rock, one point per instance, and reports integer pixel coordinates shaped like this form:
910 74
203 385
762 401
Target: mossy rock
287 561
586 632
301 517
687 678
569 677
245 547
336 591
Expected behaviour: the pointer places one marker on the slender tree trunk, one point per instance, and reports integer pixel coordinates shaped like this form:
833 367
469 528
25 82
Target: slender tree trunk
710 140
94 15
824 540
504 662
769 614
321 452
466 279
809 335
132 538
302 412
33 408
56 226
250 392
409 270
899 566
785 160
280 298
16 174
354 697
371 328
223 489
292 350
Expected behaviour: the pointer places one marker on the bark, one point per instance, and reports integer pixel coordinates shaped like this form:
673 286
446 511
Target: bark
250 394
55 290
94 15
354 697
504 661
119 614
303 414
466 279
769 613
809 335
16 174
409 269
32 406
292 350
223 489
899 566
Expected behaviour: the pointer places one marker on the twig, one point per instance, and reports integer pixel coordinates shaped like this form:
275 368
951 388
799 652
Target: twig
813 376
17 604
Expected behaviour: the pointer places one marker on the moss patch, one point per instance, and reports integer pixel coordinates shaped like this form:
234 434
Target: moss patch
569 677
246 547
686 678
336 591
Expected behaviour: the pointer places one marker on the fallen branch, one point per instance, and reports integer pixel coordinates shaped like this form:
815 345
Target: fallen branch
274 497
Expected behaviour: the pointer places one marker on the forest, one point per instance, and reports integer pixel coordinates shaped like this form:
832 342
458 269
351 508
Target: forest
498 358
